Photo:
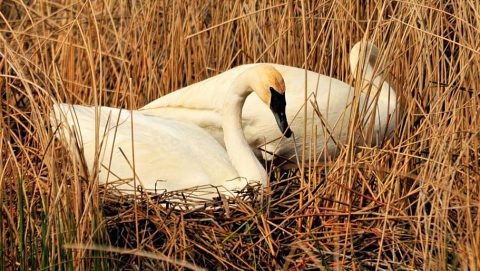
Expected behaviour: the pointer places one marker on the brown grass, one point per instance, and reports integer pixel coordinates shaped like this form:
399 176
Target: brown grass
411 203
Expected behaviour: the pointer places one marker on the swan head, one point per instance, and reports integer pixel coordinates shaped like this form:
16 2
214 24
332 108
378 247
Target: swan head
270 87
365 50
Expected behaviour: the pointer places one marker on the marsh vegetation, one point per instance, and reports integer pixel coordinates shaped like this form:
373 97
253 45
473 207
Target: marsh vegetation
410 203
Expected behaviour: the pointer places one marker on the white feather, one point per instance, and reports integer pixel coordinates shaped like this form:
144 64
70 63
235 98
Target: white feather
201 104
166 154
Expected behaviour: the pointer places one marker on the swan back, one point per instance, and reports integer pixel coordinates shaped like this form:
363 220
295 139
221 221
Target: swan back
200 96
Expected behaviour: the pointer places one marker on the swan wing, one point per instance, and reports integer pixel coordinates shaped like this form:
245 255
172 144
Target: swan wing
166 154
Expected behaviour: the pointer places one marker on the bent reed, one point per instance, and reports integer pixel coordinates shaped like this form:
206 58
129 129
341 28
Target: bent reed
409 204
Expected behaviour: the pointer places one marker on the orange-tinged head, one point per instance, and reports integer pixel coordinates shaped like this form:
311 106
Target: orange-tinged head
269 85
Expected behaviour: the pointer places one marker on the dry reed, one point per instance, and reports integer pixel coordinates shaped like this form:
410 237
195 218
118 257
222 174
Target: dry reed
411 203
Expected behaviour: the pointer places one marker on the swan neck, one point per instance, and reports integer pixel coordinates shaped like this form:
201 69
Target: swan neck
380 88
238 149
382 97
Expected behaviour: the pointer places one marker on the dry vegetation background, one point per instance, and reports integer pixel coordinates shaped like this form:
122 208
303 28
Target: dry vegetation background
410 204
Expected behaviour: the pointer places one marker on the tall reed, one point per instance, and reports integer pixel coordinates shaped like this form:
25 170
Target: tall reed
410 203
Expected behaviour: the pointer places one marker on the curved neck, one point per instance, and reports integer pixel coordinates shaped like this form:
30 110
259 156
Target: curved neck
380 88
382 97
241 156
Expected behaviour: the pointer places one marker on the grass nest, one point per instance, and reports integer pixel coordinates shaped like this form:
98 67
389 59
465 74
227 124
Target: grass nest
409 203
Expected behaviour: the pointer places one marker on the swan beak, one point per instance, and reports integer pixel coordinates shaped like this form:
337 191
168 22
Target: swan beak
282 122
277 105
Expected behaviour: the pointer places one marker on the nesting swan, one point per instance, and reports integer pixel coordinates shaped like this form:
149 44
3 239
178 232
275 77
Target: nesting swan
169 154
201 104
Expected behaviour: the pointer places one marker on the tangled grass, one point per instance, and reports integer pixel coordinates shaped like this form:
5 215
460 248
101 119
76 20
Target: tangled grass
409 204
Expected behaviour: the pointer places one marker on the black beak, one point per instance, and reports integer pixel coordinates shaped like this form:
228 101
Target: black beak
277 105
282 122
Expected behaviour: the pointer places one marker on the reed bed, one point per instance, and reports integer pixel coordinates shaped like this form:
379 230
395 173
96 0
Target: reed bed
410 203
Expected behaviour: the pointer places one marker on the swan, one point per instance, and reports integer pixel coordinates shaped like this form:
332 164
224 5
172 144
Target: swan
169 154
201 104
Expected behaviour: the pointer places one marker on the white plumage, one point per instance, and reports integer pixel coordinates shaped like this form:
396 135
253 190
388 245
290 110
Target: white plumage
201 104
168 154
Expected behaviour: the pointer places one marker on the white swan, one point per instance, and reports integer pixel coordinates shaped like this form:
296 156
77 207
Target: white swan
169 154
201 104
